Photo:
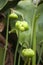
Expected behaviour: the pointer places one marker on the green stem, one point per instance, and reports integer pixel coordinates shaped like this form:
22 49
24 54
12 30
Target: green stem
33 37
16 50
29 61
11 31
20 55
25 61
6 41
40 55
19 60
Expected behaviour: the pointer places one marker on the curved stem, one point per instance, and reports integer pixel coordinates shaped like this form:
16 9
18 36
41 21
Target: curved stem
16 50
6 41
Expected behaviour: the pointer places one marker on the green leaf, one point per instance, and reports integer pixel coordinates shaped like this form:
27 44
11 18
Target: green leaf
27 9
39 30
3 3
40 24
24 38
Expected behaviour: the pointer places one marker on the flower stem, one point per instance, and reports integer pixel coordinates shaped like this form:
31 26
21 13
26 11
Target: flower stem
20 55
29 61
26 61
33 37
16 50
6 41
19 60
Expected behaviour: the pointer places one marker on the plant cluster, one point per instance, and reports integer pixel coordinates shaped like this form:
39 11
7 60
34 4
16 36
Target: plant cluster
26 20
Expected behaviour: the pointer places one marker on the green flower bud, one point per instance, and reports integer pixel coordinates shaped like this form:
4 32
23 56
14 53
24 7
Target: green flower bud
17 25
28 52
21 29
21 25
26 26
13 15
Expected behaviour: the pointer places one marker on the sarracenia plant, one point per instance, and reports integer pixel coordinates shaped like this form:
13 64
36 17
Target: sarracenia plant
13 16
28 54
20 27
